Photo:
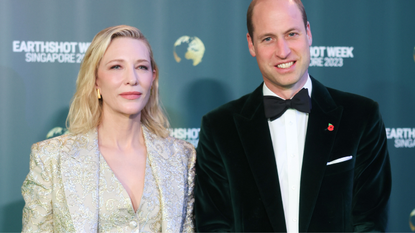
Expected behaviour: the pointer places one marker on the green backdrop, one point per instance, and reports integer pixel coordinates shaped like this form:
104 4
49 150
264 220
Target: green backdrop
364 47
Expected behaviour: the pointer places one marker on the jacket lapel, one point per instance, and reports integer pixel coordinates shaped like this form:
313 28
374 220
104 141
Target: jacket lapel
255 137
80 175
168 170
318 145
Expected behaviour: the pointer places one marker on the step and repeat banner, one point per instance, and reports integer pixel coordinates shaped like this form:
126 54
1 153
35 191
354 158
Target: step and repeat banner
364 47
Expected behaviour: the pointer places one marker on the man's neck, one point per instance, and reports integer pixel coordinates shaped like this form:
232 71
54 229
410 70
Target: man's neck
286 92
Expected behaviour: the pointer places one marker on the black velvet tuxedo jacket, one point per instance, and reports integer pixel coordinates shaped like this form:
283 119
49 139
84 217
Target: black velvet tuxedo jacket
237 186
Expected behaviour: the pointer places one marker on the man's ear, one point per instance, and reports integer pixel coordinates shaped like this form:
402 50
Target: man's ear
250 45
309 36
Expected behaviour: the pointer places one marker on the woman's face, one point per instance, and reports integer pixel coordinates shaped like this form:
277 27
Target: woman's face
125 76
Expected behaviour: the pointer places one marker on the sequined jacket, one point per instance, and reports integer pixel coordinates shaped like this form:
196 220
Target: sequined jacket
61 189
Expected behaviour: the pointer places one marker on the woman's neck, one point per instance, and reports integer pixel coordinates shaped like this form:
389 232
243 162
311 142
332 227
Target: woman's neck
120 131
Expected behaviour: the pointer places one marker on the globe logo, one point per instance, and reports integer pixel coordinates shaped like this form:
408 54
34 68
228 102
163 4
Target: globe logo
195 49
57 131
412 220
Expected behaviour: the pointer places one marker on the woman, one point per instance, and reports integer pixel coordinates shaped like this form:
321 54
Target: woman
117 169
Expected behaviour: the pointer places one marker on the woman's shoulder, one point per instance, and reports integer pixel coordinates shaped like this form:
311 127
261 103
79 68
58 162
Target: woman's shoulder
169 140
181 143
178 145
51 144
169 145
57 144
187 147
183 148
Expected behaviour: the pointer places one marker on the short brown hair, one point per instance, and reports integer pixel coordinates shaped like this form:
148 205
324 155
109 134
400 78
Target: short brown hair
250 12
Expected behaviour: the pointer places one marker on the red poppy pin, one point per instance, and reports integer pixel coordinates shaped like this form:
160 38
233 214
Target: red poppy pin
330 127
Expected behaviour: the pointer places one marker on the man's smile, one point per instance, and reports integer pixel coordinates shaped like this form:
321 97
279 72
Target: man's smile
285 65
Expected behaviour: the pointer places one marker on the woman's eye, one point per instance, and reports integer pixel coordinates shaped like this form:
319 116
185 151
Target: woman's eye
116 67
143 67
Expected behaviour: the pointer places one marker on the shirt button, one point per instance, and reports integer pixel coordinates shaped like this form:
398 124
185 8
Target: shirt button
293 187
292 155
133 224
294 220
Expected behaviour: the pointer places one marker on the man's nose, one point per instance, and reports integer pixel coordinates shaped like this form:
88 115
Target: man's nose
282 50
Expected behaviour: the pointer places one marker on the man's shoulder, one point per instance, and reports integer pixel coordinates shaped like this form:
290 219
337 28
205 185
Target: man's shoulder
347 99
339 97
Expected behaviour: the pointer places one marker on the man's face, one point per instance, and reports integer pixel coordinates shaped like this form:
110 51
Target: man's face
281 45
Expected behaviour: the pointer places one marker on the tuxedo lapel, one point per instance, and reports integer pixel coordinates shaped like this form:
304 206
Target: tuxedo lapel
318 145
255 138
80 175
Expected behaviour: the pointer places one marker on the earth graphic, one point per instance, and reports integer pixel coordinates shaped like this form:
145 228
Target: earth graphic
57 131
194 49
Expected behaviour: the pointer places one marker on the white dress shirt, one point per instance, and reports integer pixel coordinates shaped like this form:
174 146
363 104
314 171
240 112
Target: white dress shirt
288 137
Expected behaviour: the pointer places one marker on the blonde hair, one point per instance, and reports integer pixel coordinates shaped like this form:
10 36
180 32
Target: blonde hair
85 111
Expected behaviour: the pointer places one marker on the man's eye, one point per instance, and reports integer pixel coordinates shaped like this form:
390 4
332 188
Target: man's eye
292 34
267 39
116 67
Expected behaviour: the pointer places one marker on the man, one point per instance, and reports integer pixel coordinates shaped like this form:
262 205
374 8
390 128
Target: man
323 168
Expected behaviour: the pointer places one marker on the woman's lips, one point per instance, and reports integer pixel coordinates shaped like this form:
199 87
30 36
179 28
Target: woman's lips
131 95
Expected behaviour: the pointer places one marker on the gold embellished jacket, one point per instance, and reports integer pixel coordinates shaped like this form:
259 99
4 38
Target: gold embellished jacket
61 189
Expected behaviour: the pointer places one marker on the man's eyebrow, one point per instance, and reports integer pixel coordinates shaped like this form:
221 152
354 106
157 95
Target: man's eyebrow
292 29
268 34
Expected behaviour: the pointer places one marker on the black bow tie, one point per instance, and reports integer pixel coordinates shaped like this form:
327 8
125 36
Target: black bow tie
275 107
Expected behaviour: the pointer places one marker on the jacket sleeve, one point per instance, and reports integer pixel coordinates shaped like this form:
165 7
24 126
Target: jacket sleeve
213 210
36 191
372 177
